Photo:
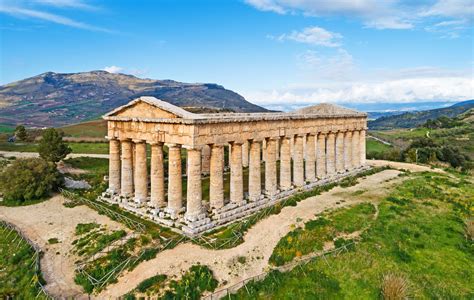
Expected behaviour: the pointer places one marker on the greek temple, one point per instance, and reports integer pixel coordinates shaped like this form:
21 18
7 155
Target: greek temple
195 172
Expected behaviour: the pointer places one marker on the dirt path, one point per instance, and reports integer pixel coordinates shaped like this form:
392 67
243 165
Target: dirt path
260 240
35 154
403 166
50 219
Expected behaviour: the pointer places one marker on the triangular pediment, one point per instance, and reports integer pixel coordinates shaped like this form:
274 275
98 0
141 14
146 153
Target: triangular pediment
326 109
150 108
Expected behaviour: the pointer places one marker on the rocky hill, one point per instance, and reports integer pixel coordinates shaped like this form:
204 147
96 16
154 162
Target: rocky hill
414 119
55 99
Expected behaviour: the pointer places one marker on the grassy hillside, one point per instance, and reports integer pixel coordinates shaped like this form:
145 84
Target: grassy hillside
93 129
414 119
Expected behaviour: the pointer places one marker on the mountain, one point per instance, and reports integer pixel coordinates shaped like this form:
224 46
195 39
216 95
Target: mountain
57 99
414 119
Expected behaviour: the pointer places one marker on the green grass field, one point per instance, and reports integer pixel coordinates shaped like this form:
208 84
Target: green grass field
374 146
6 128
94 129
88 148
17 274
419 234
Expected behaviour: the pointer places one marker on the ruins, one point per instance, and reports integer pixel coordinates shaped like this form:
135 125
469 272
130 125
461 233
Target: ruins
269 157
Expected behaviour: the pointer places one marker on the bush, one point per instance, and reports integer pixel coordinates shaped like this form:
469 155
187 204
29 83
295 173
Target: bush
394 287
29 179
52 148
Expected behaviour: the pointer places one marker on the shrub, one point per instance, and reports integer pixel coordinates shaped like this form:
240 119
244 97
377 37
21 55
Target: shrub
394 287
150 282
29 179
52 148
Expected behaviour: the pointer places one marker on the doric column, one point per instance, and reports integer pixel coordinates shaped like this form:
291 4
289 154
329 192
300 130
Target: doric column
340 152
194 189
348 150
157 176
245 154
270 168
206 159
175 185
216 188
264 150
310 162
141 173
298 167
330 152
285 164
127 168
236 177
255 180
114 166
355 149
362 147
321 156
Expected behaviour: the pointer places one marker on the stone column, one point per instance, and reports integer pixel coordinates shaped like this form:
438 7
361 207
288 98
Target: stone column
285 164
141 173
245 154
321 156
114 166
348 150
270 168
330 152
264 150
206 159
310 162
355 149
340 152
194 187
362 147
236 176
127 169
157 178
298 167
255 177
175 185
216 188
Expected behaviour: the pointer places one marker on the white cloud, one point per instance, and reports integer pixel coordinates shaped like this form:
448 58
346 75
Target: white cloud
451 8
14 9
337 67
313 36
113 69
67 4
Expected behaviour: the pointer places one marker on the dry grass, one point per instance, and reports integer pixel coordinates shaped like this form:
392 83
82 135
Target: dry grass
394 287
470 229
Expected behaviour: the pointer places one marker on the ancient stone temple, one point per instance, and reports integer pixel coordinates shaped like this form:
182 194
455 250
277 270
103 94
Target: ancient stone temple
195 172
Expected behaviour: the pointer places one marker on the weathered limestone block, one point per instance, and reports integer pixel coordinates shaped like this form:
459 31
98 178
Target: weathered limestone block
157 178
285 164
127 169
141 173
175 192
321 156
362 147
194 189
340 152
114 166
310 162
330 153
270 168
216 188
236 176
355 149
206 159
348 150
298 167
255 180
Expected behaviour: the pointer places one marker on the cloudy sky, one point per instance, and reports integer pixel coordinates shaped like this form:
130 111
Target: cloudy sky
274 52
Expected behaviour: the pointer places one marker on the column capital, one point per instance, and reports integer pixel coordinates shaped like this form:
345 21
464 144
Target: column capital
273 138
138 141
124 139
173 145
236 143
110 137
154 143
217 145
195 147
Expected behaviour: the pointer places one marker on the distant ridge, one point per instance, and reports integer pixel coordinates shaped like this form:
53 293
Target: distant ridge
414 119
58 99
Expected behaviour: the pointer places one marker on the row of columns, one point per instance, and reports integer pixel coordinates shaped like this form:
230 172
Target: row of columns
324 154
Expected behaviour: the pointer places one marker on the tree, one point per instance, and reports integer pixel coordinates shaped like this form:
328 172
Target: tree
20 133
52 147
29 179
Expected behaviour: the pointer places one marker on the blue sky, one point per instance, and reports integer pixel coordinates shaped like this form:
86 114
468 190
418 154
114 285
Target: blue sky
274 52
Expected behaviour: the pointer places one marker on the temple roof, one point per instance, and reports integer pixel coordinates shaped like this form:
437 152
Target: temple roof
150 109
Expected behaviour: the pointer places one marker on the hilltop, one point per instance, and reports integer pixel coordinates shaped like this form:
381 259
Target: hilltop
417 118
57 99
